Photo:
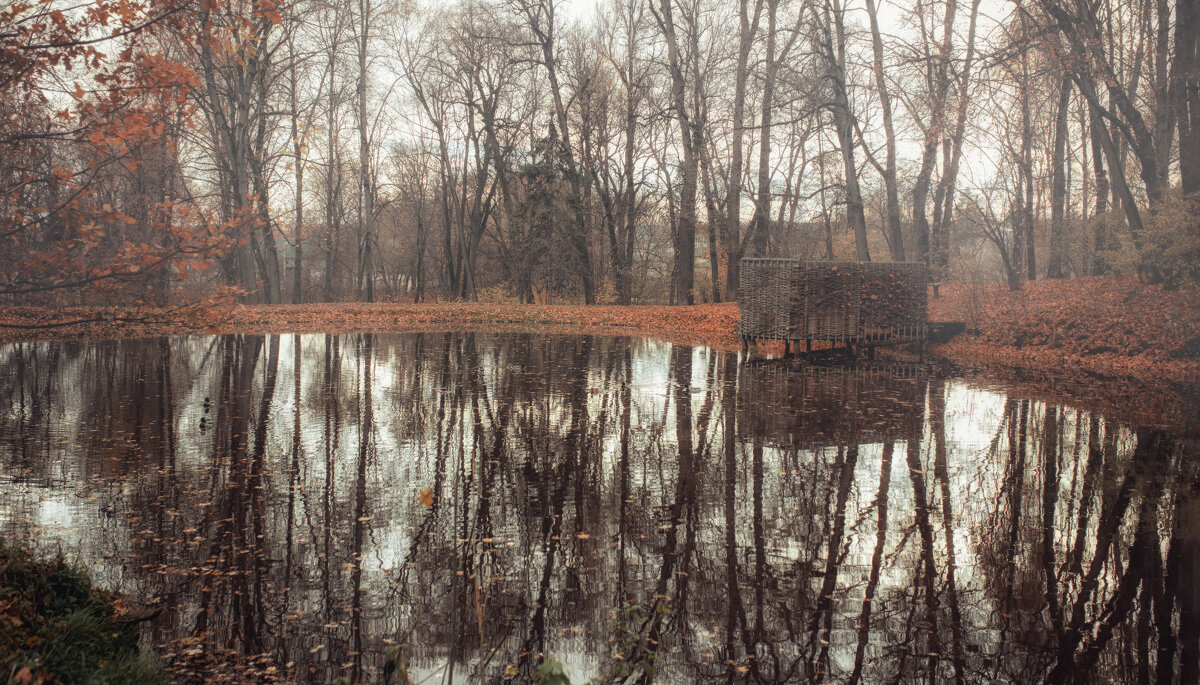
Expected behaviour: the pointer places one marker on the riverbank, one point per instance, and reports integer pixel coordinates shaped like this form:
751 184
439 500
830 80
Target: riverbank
1107 326
55 626
1113 327
712 324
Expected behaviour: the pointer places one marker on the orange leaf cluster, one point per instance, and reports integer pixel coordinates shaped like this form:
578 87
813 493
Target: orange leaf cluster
70 219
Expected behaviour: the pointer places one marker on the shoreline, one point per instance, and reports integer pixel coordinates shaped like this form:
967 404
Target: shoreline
712 325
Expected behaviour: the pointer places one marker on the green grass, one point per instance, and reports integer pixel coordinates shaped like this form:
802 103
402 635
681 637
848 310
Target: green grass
56 627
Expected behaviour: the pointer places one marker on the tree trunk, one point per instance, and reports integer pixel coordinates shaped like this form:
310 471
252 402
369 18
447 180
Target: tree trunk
920 195
824 204
733 187
895 234
298 161
937 77
625 237
760 238
1058 192
714 218
1120 186
704 165
844 123
1186 84
1026 217
944 196
685 230
366 182
332 190
269 256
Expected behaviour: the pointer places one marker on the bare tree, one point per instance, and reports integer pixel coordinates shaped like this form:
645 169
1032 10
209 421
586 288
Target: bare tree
943 198
1185 83
936 80
1055 267
685 224
896 235
301 114
747 28
236 53
833 51
618 185
366 277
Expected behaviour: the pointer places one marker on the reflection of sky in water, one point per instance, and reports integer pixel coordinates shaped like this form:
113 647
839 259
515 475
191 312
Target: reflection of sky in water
556 519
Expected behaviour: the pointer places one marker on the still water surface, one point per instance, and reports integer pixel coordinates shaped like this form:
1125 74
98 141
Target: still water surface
617 504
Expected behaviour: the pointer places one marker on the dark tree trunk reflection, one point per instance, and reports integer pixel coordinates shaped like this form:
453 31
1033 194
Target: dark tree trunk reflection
480 503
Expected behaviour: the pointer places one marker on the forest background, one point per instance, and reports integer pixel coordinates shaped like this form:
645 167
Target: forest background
623 151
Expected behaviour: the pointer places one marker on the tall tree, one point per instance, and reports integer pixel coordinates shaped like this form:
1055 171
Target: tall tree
366 182
235 50
747 28
542 22
685 224
894 228
332 29
301 113
952 146
936 77
1186 91
834 54
1055 264
632 73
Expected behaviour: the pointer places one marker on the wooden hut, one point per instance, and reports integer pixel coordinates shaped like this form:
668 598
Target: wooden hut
862 303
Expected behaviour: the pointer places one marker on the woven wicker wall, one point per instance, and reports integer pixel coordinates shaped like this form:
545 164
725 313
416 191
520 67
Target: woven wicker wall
767 289
840 301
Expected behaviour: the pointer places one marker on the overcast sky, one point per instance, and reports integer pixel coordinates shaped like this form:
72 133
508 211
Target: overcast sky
579 9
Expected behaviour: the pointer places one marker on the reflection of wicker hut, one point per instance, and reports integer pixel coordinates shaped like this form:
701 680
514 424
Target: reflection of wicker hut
813 406
850 302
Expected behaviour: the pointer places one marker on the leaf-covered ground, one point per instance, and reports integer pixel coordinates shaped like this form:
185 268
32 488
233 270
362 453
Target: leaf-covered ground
1111 326
711 324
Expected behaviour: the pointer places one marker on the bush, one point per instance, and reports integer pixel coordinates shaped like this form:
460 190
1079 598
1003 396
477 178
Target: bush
1171 243
56 627
1168 251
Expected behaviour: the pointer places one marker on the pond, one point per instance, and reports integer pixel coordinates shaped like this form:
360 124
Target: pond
472 503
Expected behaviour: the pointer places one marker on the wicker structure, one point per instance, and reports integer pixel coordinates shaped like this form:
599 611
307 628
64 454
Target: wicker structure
850 302
818 406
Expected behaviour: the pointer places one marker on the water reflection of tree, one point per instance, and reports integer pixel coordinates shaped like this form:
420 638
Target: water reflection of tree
611 501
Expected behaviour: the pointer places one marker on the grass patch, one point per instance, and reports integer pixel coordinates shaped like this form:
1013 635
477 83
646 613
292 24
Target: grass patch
56 627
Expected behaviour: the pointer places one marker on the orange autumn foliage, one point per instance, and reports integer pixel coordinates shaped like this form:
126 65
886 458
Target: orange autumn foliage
89 114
